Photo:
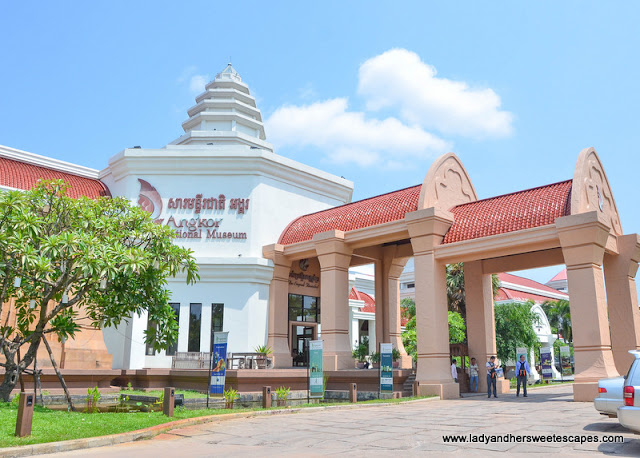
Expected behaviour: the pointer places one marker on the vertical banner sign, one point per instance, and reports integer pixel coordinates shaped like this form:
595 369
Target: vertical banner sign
386 368
565 360
315 369
218 363
545 362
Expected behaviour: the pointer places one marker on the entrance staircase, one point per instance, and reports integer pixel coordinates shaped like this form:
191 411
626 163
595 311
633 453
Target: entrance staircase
407 386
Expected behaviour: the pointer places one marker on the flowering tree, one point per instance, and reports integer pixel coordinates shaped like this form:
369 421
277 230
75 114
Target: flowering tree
61 256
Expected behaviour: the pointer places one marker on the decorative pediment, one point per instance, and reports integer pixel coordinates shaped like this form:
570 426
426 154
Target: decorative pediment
591 190
446 185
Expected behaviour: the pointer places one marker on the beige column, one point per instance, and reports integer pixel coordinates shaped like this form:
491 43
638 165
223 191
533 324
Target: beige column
481 325
279 306
381 287
388 324
427 228
334 256
583 238
622 298
393 268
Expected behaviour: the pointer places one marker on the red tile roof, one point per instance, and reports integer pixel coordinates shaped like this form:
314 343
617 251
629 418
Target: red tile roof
369 302
528 283
497 215
504 294
21 175
511 212
356 215
562 275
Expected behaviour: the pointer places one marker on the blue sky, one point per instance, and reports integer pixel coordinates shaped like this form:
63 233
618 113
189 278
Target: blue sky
526 86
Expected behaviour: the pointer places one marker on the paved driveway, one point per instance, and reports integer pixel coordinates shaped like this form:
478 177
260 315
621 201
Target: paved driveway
412 429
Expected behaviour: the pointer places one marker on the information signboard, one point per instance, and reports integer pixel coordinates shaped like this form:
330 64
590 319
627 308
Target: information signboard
315 369
218 364
546 362
565 360
386 368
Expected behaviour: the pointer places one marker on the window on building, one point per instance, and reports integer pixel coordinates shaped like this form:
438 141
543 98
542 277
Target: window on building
217 317
304 308
195 322
149 350
171 350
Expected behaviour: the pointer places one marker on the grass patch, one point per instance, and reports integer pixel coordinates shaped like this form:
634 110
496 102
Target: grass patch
55 425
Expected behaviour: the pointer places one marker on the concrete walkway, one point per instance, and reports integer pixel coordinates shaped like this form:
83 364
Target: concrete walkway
413 429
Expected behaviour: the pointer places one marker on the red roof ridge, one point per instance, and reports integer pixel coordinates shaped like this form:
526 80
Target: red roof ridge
353 203
513 193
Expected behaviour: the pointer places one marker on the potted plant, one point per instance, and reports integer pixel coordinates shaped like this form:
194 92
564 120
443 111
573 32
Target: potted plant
263 359
360 353
395 356
282 395
375 359
230 395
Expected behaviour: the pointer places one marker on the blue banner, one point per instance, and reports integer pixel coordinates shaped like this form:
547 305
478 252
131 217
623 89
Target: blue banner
546 362
218 363
386 368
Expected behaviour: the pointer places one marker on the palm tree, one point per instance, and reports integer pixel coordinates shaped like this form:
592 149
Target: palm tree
559 314
455 288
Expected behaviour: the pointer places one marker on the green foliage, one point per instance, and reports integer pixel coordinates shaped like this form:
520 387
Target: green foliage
230 395
514 328
282 393
455 288
129 386
263 349
375 357
361 351
559 315
457 328
62 251
93 397
325 380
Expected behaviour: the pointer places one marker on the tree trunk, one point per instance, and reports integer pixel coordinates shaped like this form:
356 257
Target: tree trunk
20 379
55 368
8 383
37 386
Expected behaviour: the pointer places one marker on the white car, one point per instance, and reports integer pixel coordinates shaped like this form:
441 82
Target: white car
609 396
629 413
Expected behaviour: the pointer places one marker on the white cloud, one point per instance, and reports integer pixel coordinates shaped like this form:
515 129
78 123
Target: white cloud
197 83
349 136
195 80
398 79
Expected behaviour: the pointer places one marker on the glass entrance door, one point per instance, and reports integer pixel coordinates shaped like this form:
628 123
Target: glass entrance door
300 351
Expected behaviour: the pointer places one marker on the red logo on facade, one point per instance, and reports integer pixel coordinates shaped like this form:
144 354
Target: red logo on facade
149 199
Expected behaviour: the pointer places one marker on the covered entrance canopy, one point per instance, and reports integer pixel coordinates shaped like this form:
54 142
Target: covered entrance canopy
574 222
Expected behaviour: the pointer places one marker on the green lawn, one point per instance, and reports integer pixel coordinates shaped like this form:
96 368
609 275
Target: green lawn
55 425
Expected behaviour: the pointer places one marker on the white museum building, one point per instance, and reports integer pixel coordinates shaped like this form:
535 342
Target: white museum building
227 194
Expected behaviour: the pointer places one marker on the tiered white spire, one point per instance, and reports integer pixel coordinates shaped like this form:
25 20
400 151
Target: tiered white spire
225 113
